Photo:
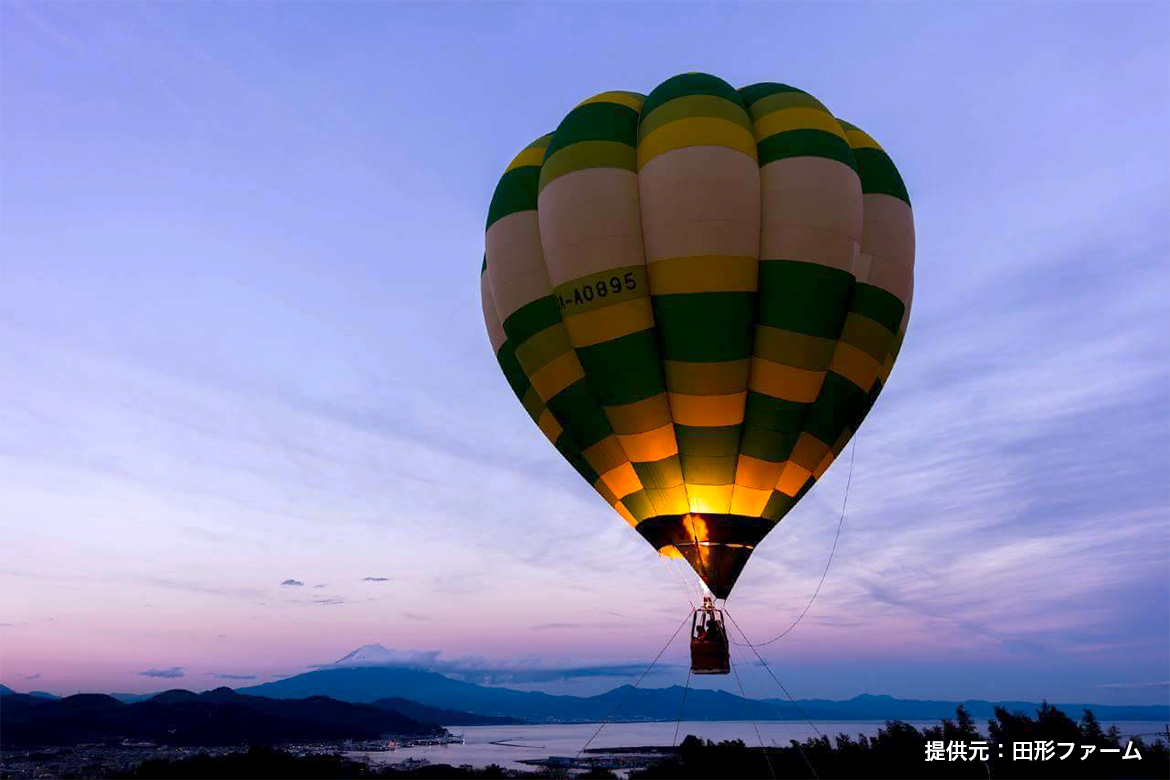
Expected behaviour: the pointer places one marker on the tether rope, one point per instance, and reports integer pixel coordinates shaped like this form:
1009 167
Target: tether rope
828 563
796 742
630 692
755 726
748 643
681 708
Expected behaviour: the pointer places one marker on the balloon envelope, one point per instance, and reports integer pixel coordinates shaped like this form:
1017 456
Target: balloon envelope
697 295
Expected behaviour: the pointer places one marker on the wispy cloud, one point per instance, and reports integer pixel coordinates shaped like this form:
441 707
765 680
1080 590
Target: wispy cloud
168 673
375 579
296 583
234 676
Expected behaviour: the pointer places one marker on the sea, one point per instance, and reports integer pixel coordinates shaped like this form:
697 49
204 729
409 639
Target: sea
511 746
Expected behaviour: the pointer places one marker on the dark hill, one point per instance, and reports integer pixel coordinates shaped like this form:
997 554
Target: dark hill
219 717
422 712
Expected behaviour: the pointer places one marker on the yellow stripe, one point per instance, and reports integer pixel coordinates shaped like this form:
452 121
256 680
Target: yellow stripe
755 473
669 501
542 348
557 375
532 403
601 325
710 499
859 139
531 156
793 349
704 273
792 479
614 97
749 501
605 455
785 382
549 426
651 445
808 451
622 480
715 378
856 366
797 119
697 131
707 410
640 416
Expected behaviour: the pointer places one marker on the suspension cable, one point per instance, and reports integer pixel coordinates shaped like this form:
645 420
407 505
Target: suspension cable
630 692
755 726
681 708
828 563
748 643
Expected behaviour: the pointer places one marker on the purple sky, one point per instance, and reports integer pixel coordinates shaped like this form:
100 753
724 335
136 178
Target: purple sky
250 421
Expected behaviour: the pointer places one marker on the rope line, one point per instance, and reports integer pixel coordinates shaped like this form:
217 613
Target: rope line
630 692
755 727
681 707
828 563
772 674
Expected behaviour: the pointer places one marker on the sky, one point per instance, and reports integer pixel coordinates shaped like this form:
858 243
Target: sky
250 420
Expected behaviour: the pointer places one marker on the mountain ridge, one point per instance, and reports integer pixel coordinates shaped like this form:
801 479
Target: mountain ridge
368 684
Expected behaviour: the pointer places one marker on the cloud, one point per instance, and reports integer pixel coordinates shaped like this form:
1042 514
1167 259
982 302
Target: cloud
1139 685
487 672
32 676
234 676
319 587
296 583
169 674
327 602
375 579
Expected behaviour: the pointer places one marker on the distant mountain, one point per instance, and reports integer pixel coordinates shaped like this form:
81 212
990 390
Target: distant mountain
369 684
178 717
6 691
422 712
44 695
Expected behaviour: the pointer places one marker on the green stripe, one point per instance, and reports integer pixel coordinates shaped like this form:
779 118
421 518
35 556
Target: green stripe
767 444
596 122
805 143
688 84
790 348
516 192
840 405
721 441
808 298
778 505
576 409
573 455
640 505
531 318
705 327
624 370
878 174
775 414
879 305
782 100
701 470
753 93
513 373
660 473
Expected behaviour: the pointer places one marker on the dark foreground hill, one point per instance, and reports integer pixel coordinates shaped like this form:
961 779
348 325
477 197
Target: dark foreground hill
219 717
368 684
426 714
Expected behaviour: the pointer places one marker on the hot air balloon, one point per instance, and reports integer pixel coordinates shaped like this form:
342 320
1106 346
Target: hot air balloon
697 295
